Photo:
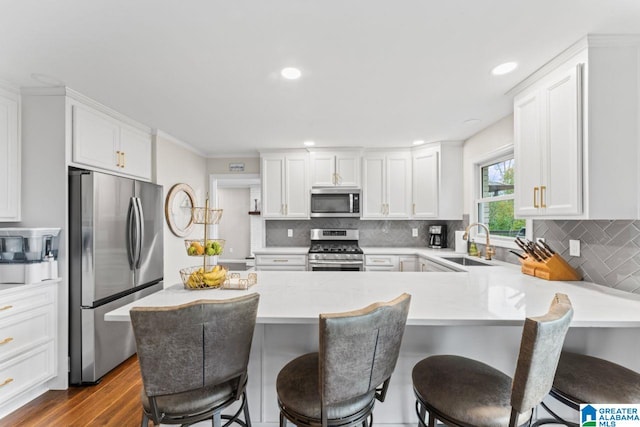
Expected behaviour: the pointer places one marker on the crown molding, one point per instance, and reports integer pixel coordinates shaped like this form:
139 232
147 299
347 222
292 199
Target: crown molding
168 137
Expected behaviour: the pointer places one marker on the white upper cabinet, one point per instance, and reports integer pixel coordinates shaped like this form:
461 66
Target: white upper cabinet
548 145
386 186
576 137
285 185
437 181
9 155
104 142
335 168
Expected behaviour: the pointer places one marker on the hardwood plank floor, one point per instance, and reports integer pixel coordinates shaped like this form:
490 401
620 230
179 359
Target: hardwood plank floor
115 401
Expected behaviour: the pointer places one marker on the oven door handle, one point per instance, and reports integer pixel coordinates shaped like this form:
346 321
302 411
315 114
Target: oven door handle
333 262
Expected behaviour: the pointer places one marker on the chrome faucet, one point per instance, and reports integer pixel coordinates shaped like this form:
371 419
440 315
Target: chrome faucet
489 251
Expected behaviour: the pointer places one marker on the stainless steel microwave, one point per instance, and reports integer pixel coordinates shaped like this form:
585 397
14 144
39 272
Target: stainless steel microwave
335 202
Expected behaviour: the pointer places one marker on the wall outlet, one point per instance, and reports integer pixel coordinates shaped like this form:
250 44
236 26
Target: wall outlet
289 232
414 232
574 247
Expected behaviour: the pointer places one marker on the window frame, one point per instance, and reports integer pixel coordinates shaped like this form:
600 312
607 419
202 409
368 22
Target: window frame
503 153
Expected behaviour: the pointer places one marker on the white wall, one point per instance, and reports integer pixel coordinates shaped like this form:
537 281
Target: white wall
235 224
174 163
221 165
479 145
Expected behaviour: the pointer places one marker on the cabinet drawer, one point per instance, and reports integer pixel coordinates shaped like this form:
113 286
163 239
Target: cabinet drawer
22 372
282 268
25 330
283 260
31 297
381 260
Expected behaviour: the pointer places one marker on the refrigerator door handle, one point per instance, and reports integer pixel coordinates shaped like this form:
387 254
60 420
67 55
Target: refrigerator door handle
131 219
140 227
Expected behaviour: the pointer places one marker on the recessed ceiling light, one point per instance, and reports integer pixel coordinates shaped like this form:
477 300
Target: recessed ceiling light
505 68
471 122
309 143
291 73
418 142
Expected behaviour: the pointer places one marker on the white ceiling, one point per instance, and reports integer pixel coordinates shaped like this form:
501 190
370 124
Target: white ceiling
375 72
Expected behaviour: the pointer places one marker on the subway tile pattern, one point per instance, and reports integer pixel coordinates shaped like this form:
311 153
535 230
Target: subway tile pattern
609 250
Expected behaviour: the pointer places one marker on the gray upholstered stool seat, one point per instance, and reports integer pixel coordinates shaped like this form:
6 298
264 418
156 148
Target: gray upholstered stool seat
297 384
588 379
467 391
193 401
338 385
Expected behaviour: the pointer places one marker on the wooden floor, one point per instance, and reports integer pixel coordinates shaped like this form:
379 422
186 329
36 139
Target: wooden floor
115 401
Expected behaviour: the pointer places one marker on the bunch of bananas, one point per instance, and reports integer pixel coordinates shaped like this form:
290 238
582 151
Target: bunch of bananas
209 279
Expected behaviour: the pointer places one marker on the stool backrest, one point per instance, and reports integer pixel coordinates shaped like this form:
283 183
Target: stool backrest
194 345
540 347
359 349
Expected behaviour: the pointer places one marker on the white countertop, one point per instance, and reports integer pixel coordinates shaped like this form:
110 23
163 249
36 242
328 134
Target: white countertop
497 295
296 250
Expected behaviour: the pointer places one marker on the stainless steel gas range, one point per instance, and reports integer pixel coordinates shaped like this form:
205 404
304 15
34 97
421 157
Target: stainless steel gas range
335 250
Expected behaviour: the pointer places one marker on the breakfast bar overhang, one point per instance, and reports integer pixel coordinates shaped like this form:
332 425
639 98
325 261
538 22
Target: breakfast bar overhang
476 314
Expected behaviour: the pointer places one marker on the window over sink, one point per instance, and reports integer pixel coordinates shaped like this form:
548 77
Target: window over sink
494 199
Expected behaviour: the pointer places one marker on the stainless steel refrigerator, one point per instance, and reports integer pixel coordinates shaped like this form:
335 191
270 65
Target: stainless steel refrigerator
115 257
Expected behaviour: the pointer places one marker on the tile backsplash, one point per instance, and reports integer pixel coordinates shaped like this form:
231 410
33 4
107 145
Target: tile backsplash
610 250
372 233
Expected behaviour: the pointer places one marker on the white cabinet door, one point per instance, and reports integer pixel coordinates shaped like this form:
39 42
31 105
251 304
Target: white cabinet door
135 149
330 169
408 263
425 184
373 187
285 186
527 154
348 169
323 169
9 157
96 139
296 187
561 191
273 187
548 147
398 185
103 142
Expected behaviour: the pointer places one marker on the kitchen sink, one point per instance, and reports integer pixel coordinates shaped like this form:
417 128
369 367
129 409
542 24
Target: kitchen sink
467 261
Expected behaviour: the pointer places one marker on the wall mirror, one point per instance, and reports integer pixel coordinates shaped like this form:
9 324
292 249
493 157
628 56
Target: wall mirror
177 209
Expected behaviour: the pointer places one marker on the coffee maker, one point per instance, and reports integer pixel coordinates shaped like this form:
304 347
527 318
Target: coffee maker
437 236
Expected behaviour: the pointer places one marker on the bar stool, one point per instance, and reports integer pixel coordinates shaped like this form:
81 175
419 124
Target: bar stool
464 392
338 385
582 379
193 359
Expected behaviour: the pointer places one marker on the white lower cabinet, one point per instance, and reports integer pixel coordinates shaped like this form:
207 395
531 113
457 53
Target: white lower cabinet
285 262
28 328
381 263
408 263
426 265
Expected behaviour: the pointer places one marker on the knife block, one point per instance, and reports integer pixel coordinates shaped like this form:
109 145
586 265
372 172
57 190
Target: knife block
554 268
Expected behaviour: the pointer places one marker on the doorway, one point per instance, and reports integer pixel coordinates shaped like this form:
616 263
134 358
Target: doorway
239 196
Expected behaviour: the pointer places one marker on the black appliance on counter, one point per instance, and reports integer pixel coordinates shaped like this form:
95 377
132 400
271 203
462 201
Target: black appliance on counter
116 257
335 250
437 236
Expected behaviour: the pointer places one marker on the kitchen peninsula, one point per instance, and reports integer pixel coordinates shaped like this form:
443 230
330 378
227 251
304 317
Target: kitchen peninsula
475 313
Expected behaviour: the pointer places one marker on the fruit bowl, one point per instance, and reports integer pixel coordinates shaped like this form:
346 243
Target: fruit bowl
199 247
197 278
